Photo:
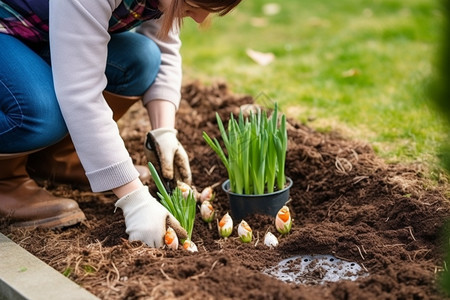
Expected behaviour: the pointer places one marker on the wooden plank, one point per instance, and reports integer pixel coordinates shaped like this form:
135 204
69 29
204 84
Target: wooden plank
24 276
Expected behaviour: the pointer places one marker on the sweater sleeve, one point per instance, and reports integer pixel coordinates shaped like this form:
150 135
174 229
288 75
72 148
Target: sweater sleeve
167 85
78 43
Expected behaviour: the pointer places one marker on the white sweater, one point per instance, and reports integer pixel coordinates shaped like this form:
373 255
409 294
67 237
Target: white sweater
78 42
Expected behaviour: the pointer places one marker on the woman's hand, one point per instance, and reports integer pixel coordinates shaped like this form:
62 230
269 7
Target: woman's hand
165 152
146 219
162 147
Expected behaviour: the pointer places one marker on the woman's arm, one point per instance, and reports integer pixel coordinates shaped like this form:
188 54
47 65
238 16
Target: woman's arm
161 101
167 85
78 42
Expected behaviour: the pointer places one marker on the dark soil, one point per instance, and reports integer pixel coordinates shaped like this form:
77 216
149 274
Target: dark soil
345 202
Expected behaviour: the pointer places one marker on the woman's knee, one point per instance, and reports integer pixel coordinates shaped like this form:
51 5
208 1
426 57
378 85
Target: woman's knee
133 63
147 58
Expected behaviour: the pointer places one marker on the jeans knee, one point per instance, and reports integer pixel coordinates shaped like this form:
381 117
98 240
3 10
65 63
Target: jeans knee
145 64
131 70
148 56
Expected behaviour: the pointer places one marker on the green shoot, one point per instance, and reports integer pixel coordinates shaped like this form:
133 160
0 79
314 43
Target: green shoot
183 209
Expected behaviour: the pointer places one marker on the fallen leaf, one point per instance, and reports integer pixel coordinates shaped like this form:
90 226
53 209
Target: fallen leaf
271 9
260 58
350 73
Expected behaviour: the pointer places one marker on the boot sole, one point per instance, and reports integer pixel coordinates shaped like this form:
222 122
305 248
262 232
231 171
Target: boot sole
64 220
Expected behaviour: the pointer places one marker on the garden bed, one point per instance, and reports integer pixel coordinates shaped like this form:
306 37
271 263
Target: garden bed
345 202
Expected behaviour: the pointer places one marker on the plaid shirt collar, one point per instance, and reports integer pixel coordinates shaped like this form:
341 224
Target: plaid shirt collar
131 13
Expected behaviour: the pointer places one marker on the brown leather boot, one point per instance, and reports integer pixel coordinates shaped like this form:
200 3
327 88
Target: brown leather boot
59 164
25 204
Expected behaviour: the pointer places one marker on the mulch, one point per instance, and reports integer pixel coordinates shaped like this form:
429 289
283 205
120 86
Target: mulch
345 202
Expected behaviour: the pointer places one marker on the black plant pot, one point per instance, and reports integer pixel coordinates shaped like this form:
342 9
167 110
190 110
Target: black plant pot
267 204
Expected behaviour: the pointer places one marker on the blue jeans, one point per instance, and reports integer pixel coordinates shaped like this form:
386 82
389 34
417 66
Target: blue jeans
30 117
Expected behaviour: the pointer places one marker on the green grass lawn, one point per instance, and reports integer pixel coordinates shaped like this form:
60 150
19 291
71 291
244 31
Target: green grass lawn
358 67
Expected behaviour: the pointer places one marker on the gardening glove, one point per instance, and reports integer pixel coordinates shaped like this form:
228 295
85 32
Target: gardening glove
146 219
165 152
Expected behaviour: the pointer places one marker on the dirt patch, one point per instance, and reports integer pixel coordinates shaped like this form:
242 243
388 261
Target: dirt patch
346 202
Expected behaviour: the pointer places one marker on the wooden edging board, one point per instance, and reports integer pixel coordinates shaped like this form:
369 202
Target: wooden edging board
24 276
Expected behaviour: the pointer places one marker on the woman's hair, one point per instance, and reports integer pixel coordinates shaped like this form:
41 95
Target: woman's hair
173 16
